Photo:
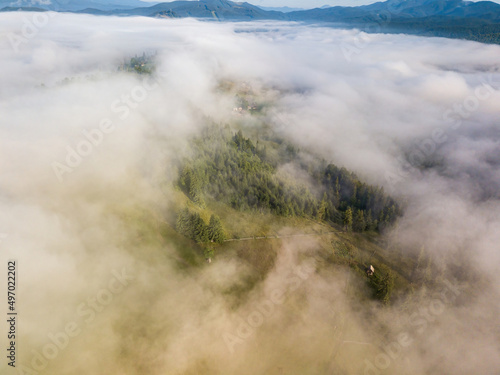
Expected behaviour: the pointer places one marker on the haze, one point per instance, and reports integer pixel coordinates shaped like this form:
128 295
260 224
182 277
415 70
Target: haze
371 108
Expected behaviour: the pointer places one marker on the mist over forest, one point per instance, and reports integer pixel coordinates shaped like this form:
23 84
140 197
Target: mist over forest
176 194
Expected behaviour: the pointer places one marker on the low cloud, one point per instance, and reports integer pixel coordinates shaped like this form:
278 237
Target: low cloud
400 96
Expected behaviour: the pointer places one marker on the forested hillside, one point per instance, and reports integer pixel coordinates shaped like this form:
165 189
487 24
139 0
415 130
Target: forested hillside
243 173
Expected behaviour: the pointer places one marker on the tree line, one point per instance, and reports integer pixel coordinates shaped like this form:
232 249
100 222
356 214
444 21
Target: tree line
191 225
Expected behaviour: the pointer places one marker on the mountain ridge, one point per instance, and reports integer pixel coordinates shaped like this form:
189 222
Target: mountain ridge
73 5
479 21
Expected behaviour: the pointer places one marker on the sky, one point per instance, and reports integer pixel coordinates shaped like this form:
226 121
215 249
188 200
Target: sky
314 3
307 4
89 158
302 3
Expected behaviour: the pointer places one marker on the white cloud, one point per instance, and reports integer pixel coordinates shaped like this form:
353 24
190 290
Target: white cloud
365 114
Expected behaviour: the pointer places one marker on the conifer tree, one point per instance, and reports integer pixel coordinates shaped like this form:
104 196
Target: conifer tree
215 230
183 223
336 199
385 284
359 221
322 208
208 252
200 230
369 220
348 219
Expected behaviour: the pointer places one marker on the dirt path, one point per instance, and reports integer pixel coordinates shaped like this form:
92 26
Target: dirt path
282 236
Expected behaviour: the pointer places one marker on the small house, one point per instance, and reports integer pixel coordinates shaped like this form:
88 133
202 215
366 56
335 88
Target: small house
370 270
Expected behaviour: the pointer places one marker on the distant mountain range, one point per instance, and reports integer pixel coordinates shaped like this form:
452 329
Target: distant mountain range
282 9
73 5
407 9
448 18
215 9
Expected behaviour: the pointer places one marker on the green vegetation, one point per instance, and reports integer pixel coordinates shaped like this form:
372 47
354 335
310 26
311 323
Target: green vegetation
241 185
191 225
215 230
382 283
348 219
470 28
233 169
144 64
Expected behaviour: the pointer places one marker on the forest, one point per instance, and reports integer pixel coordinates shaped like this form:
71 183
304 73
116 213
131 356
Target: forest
231 168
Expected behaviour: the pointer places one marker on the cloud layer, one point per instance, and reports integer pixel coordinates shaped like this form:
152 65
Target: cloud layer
83 148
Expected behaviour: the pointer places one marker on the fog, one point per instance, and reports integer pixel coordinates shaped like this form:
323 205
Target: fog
86 157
